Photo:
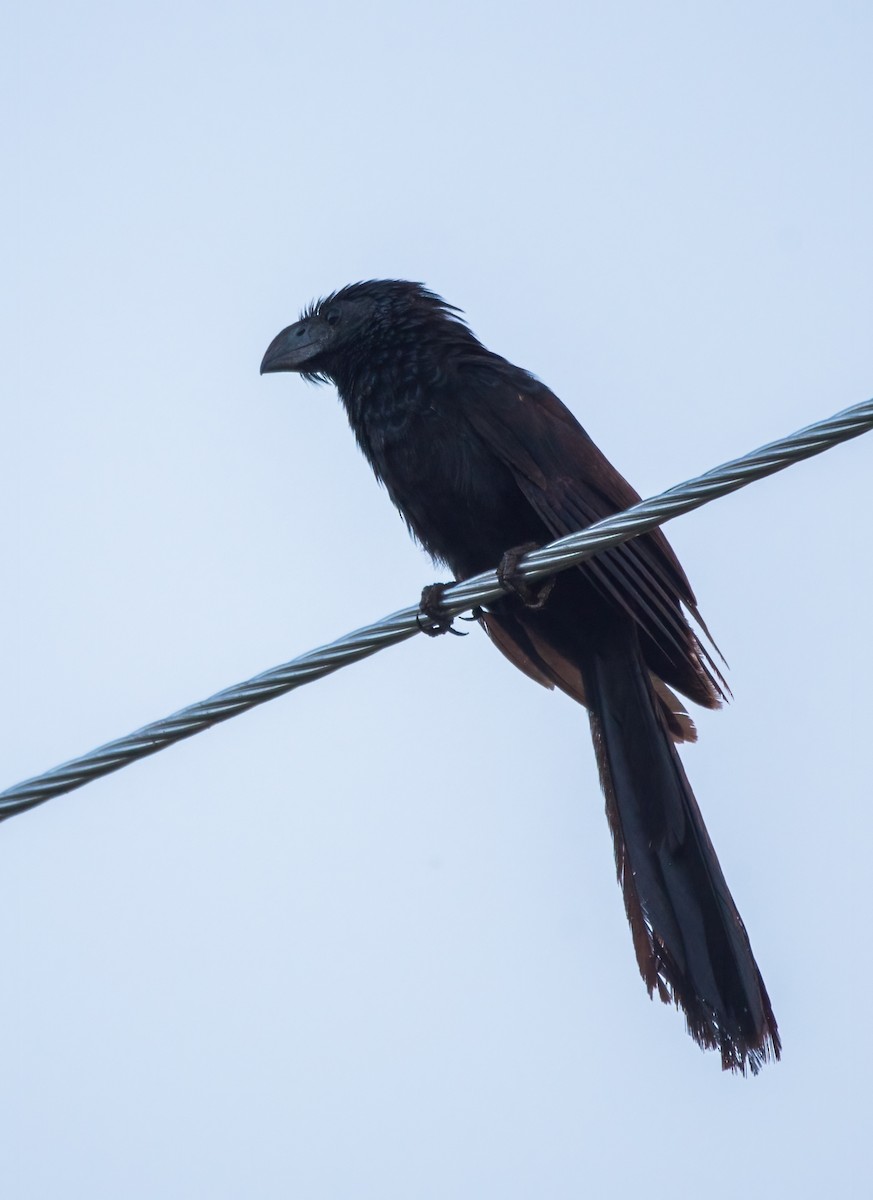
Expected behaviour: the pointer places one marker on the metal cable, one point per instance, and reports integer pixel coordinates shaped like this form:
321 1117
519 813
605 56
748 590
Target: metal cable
402 625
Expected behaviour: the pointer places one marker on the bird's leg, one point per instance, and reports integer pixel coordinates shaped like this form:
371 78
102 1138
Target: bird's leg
432 620
532 595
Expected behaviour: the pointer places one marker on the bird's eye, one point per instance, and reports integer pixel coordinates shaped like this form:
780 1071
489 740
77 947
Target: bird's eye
332 316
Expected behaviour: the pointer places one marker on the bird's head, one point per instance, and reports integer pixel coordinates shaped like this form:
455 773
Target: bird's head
357 321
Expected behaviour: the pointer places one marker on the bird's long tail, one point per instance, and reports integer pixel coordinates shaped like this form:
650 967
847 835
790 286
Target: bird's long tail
690 941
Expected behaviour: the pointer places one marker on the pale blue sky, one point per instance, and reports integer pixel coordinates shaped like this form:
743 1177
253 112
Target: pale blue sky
367 941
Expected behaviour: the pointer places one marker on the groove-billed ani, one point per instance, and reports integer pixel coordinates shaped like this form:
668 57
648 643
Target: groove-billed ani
480 457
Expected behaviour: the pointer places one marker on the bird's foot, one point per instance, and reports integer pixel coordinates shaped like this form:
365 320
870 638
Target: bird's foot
432 619
532 595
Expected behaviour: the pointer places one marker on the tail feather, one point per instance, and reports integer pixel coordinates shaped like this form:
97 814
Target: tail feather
690 941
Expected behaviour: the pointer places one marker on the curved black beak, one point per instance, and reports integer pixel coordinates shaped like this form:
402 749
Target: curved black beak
295 347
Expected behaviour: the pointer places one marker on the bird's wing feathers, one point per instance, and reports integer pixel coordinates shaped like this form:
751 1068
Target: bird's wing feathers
642 576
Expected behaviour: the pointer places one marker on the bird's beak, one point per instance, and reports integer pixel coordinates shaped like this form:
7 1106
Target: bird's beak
296 346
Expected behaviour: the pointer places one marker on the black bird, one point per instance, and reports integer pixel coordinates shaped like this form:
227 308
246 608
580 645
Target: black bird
483 461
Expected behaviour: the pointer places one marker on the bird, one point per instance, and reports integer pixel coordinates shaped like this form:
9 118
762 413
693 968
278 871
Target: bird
484 462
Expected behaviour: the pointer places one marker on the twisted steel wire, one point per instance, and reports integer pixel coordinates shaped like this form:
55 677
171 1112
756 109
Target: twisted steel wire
480 589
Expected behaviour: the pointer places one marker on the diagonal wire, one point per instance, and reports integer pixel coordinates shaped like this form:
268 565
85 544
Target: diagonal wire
403 624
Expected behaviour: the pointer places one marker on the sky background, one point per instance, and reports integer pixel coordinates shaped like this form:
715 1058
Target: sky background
366 941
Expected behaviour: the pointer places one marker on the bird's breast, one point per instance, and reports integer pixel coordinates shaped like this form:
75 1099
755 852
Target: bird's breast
460 500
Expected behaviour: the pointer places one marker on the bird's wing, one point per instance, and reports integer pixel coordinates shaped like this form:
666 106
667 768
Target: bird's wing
571 484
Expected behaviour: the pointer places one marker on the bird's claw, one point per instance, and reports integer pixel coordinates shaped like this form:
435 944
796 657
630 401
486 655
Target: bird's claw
431 618
532 595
